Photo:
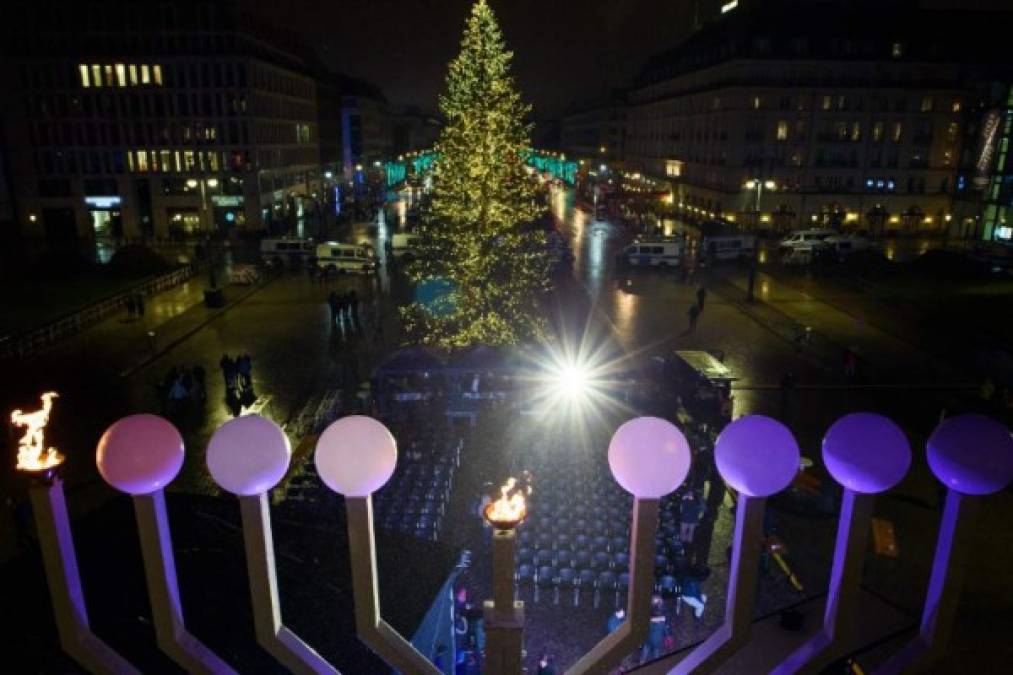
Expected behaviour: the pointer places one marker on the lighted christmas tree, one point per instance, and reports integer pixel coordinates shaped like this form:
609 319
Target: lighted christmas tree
483 265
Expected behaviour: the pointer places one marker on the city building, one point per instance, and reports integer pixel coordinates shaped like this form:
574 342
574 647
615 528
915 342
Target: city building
366 129
136 120
775 117
412 130
595 133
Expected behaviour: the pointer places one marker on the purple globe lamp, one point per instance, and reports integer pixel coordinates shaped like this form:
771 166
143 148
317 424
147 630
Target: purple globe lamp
248 456
649 457
867 454
972 455
139 455
758 457
356 456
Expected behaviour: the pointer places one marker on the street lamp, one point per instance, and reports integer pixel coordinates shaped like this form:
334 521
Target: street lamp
759 186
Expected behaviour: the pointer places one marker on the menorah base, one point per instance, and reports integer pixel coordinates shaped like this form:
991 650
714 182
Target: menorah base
504 628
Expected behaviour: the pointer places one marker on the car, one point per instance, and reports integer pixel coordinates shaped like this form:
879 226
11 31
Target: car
729 246
805 240
335 256
665 252
280 252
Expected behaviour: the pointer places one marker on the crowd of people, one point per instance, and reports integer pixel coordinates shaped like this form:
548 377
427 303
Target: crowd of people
182 387
135 306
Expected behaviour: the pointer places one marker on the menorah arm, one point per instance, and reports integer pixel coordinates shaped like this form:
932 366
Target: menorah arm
610 651
371 629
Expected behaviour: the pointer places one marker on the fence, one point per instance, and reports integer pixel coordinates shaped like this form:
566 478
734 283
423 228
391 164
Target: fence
37 339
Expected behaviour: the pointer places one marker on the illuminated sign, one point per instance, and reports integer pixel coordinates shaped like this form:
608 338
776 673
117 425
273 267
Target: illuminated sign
986 150
104 202
227 200
729 6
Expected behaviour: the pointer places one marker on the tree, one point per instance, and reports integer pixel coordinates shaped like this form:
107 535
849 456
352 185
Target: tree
483 265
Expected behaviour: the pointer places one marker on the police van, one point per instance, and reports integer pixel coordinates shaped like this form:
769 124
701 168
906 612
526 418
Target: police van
654 253
337 257
729 246
404 246
286 251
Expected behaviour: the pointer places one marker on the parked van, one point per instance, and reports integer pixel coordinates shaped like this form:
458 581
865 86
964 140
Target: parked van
655 253
805 240
286 251
729 246
336 257
404 245
845 245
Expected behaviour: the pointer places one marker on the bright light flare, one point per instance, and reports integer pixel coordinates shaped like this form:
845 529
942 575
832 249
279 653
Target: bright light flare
573 380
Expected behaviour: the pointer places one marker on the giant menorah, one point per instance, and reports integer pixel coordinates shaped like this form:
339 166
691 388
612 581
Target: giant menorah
140 455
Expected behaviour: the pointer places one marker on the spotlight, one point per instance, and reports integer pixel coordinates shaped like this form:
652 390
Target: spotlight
573 380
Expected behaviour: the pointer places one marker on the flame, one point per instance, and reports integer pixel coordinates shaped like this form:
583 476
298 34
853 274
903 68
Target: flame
32 452
510 509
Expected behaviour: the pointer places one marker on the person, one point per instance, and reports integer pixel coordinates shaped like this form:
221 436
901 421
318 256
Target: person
694 315
332 302
228 367
341 307
701 297
656 632
690 514
131 307
546 665
177 394
244 365
693 596
615 621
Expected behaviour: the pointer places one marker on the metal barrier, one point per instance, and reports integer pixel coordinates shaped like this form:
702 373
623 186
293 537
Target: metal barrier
37 339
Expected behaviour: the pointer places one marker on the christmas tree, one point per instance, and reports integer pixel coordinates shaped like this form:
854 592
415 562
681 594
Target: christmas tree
483 265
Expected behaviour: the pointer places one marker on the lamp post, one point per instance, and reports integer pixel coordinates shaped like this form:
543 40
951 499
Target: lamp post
758 457
867 454
759 185
355 456
247 456
972 455
140 455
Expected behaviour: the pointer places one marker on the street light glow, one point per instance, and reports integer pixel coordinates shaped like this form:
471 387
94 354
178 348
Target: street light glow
750 184
770 185
573 380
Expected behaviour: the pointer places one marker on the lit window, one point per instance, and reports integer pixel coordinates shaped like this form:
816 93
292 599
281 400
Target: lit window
133 75
877 132
856 131
213 161
96 76
156 74
130 161
109 76
166 160
827 101
757 102
188 160
142 160
927 104
121 75
782 130
145 74
956 106
897 50
83 69
898 129
179 166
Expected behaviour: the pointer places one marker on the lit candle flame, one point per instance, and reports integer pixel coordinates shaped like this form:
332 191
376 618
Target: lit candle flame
510 509
32 452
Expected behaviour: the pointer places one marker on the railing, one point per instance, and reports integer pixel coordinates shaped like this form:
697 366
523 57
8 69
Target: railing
37 339
867 454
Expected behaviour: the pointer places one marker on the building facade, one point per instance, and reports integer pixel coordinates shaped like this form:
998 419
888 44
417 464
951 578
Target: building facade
596 133
138 120
777 119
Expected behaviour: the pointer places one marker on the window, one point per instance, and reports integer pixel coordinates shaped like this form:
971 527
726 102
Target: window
898 130
121 75
156 74
133 75
782 130
145 74
926 104
956 106
877 132
757 102
897 50
142 160
108 70
83 69
856 131
827 100
166 160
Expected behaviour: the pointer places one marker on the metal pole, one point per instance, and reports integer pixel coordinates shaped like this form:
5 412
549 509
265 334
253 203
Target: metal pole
608 654
373 630
504 616
841 612
732 635
279 641
945 584
163 590
65 592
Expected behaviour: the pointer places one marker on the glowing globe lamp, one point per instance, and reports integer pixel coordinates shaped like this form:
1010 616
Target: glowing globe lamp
649 457
757 455
972 454
356 456
866 453
248 455
140 454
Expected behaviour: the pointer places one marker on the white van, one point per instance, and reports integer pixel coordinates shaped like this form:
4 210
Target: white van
286 251
728 246
654 253
336 257
404 245
805 240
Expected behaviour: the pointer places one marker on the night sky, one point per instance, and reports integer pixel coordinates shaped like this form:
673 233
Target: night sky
565 51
